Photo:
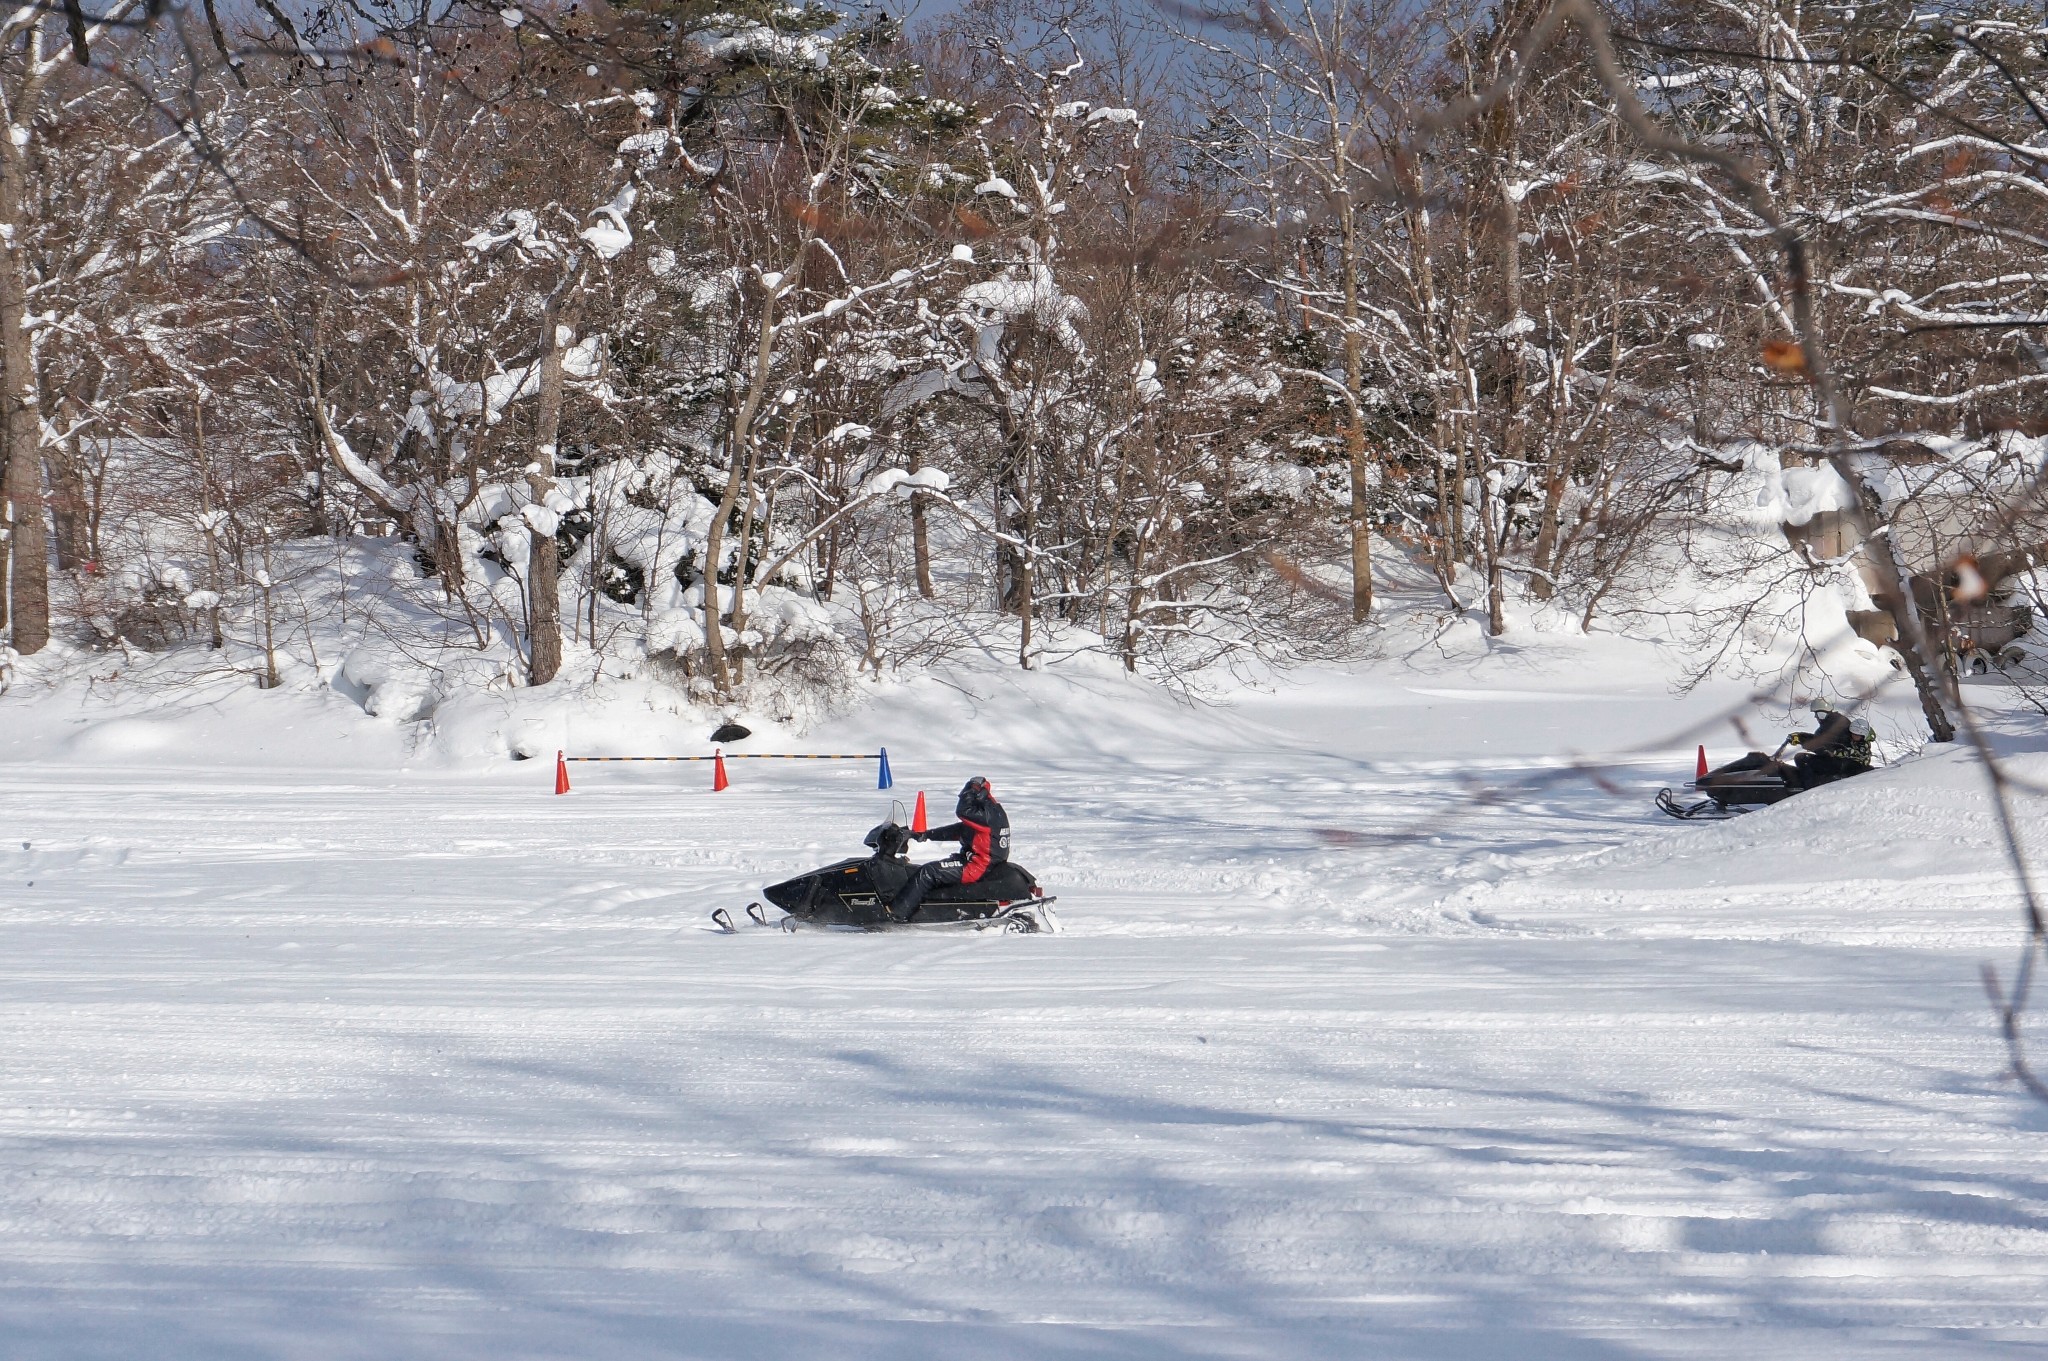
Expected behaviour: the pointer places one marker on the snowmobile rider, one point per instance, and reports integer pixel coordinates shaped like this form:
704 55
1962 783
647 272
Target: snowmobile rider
1837 748
983 832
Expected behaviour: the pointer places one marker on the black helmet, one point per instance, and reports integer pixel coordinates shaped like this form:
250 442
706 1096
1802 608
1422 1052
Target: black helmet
974 794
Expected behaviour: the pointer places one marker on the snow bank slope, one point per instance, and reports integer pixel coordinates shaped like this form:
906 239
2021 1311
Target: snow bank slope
1908 856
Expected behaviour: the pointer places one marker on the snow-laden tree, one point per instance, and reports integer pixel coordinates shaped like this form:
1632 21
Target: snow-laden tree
1472 284
1292 99
795 234
38 67
692 332
1904 151
431 327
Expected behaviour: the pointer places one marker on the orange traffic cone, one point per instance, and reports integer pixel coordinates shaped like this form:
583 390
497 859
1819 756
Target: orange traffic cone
561 774
917 823
718 780
1701 773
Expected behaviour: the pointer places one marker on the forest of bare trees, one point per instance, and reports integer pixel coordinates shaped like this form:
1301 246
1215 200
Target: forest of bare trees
751 340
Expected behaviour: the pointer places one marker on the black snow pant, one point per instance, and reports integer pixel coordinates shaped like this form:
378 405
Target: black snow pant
1756 762
1825 767
931 875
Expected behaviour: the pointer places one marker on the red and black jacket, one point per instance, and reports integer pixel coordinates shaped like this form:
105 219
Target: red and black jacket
983 832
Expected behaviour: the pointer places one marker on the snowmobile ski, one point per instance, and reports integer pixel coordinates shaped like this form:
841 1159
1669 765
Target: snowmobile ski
1705 810
725 923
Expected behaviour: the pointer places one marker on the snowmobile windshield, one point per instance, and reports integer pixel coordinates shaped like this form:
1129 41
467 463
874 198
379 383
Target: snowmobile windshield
888 839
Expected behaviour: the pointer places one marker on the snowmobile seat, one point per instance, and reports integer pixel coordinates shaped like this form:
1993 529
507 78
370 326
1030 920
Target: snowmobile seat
1003 882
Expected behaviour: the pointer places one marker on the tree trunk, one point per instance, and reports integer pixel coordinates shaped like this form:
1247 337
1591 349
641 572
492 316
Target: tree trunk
1492 522
29 583
1514 434
6 530
270 679
1027 607
1542 582
1450 482
1013 587
1896 598
1361 518
714 545
830 470
543 557
208 526
828 565
442 534
1926 682
739 448
1458 476
920 534
1354 389
741 572
543 595
68 509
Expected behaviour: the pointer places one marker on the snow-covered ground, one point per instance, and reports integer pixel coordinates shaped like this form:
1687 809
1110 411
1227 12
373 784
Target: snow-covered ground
1367 1037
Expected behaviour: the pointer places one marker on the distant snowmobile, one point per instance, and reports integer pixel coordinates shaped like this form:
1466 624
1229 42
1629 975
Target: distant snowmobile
855 894
1837 748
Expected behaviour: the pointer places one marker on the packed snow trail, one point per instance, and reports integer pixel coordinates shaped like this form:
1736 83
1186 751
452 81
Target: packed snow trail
1332 1062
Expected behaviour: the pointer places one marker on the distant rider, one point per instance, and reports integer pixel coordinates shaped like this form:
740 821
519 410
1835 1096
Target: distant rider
983 832
1836 748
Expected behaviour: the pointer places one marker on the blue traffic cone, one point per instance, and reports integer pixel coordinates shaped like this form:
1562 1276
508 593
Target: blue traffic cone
886 781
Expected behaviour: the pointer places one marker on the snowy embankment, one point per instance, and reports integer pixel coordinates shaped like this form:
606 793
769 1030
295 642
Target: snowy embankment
310 1055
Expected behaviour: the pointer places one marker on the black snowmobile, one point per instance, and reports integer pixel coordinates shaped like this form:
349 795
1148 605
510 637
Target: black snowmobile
855 894
1757 780
1728 793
